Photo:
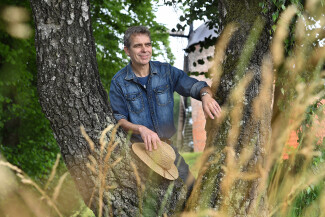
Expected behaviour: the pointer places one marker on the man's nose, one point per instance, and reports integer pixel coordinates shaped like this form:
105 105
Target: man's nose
143 49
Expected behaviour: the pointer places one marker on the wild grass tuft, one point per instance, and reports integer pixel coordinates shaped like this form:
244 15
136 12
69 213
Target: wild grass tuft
277 182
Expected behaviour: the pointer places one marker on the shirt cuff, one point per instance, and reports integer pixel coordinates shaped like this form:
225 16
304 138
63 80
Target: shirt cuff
119 117
196 88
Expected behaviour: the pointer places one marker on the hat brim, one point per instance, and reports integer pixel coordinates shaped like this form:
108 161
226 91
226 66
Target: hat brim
140 150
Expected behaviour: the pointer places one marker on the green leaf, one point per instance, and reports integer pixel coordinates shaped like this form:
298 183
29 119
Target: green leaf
179 26
264 10
282 91
182 18
200 62
274 17
274 28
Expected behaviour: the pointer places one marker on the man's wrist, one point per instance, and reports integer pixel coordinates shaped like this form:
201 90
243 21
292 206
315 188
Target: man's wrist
204 93
140 127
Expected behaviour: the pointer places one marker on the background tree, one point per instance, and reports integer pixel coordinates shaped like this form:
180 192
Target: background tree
245 44
71 95
241 66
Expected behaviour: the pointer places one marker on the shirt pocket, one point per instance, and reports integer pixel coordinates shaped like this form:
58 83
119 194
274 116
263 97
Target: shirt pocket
163 95
135 102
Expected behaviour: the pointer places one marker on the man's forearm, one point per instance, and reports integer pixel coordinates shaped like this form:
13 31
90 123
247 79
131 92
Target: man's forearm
149 137
128 126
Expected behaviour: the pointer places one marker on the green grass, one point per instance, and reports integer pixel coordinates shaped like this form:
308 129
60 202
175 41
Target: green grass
191 158
84 212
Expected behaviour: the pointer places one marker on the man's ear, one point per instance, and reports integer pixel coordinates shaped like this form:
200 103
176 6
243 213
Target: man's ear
126 50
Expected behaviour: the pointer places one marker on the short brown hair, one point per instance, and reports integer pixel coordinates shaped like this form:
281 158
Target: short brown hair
133 30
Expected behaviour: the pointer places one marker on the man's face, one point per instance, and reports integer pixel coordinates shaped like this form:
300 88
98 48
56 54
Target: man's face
140 50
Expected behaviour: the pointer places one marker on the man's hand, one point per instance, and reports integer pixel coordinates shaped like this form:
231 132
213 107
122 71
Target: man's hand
149 137
210 107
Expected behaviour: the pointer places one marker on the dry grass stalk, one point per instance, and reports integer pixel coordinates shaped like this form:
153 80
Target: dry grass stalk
12 167
283 185
216 69
202 213
53 172
140 187
213 124
100 167
322 203
281 33
8 182
33 202
237 100
266 87
216 72
102 140
232 168
278 178
291 187
204 164
26 180
89 141
58 186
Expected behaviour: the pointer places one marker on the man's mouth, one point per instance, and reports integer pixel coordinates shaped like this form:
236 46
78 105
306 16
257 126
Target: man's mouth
144 56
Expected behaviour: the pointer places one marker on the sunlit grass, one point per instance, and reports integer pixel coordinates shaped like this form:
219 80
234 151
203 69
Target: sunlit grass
191 158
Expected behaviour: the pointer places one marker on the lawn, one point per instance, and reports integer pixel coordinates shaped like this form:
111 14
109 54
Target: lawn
191 159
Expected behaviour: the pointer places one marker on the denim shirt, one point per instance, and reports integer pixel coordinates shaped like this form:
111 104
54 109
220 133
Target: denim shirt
151 106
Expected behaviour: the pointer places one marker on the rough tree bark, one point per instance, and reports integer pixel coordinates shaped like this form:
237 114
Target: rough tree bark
253 133
71 95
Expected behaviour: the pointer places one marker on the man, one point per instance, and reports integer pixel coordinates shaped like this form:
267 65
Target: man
141 95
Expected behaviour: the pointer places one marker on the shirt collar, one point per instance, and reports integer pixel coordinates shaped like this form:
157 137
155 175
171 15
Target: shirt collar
130 74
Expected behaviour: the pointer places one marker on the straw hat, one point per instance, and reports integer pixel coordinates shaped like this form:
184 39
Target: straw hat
160 160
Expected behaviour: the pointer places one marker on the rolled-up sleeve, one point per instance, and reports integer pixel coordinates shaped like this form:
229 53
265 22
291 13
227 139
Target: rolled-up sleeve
117 101
185 85
196 88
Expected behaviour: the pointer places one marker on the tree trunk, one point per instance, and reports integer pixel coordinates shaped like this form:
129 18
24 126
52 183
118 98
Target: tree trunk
71 95
233 181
